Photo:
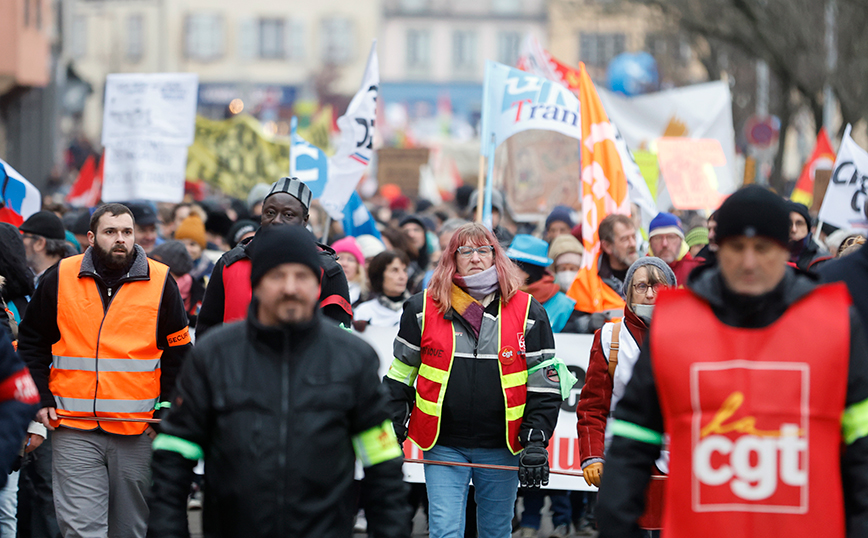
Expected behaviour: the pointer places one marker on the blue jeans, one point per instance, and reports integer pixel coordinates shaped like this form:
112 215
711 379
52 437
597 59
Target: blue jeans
562 510
447 491
9 507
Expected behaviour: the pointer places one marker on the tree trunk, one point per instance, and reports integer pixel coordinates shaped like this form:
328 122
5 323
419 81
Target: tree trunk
776 180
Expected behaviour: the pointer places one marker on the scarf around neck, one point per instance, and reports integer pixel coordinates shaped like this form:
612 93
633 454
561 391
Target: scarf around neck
480 284
468 291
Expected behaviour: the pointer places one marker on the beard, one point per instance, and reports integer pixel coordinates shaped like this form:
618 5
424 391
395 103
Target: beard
115 259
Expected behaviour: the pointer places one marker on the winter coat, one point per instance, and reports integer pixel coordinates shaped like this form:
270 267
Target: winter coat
274 412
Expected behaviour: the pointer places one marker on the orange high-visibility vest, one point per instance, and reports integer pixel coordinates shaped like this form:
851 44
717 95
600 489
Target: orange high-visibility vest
107 363
438 352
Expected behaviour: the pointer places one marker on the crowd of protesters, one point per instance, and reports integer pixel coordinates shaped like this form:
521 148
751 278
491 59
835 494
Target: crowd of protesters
427 271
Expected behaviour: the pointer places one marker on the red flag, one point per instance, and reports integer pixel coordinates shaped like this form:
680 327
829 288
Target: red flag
85 192
823 158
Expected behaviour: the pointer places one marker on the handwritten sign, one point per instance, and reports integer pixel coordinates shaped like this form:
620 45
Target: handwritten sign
159 107
687 166
141 169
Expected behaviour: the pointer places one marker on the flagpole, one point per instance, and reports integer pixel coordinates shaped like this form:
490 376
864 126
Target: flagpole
489 186
325 233
480 186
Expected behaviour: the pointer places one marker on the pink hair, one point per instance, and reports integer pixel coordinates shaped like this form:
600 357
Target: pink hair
440 287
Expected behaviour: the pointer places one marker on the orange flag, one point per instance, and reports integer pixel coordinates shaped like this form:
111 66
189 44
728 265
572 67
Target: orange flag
823 158
604 192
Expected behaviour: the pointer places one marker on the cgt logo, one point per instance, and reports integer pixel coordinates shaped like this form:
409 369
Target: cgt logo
750 451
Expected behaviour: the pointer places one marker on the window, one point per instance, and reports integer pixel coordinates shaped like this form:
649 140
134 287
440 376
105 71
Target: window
204 37
135 37
508 48
78 45
599 49
414 6
26 12
271 38
505 6
464 50
295 40
38 14
418 49
337 40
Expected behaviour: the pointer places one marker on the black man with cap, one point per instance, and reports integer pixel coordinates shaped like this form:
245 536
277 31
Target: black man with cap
767 426
228 293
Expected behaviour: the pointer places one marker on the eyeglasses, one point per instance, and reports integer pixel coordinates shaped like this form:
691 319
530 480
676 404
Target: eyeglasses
484 251
643 287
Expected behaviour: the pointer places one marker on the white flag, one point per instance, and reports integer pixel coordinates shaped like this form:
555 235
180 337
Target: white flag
847 193
356 146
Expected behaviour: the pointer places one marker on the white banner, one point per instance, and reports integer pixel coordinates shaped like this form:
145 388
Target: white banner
144 170
515 101
697 111
574 349
356 146
160 107
847 193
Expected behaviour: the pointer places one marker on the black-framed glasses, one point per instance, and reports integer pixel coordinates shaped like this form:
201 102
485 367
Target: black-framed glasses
483 251
643 287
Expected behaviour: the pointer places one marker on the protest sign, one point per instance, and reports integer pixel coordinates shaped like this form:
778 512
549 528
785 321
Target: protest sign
160 107
696 111
234 155
563 448
844 203
144 170
687 166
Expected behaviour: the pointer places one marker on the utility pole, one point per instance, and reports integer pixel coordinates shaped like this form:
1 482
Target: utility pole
831 64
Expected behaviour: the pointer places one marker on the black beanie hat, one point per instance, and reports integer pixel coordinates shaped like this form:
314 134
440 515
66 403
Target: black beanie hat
754 211
801 209
175 255
45 224
276 245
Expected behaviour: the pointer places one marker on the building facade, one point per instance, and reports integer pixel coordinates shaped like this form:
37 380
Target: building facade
268 54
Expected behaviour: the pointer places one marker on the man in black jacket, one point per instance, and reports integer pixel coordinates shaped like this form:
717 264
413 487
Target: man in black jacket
228 293
768 389
280 406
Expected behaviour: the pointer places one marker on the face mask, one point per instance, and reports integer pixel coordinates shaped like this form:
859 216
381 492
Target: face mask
565 279
643 310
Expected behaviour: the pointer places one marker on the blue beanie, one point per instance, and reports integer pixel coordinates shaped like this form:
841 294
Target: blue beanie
561 213
665 223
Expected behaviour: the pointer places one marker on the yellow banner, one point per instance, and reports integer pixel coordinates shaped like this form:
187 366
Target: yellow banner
234 155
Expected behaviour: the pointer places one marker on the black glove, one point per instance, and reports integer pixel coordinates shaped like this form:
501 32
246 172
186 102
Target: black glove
533 465
598 319
400 432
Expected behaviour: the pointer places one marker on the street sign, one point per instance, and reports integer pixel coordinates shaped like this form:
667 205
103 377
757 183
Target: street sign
762 132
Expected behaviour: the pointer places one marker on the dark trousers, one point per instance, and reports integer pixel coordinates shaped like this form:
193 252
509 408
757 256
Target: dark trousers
36 517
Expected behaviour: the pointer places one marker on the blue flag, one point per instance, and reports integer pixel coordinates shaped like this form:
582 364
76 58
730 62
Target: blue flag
358 220
308 163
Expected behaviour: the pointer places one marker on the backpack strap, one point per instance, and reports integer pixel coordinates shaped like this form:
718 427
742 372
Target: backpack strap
613 348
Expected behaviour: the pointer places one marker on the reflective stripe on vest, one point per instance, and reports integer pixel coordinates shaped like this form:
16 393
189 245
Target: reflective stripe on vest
438 352
754 418
236 290
107 362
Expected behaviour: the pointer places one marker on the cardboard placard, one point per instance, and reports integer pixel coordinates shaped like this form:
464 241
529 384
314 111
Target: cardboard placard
400 166
687 166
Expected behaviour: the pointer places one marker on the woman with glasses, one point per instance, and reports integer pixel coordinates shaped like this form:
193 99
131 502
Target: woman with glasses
613 354
473 373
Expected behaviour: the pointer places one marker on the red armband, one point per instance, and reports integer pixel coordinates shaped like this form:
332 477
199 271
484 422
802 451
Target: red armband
19 386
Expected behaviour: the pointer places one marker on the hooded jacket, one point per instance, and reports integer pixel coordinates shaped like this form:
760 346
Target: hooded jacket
628 461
